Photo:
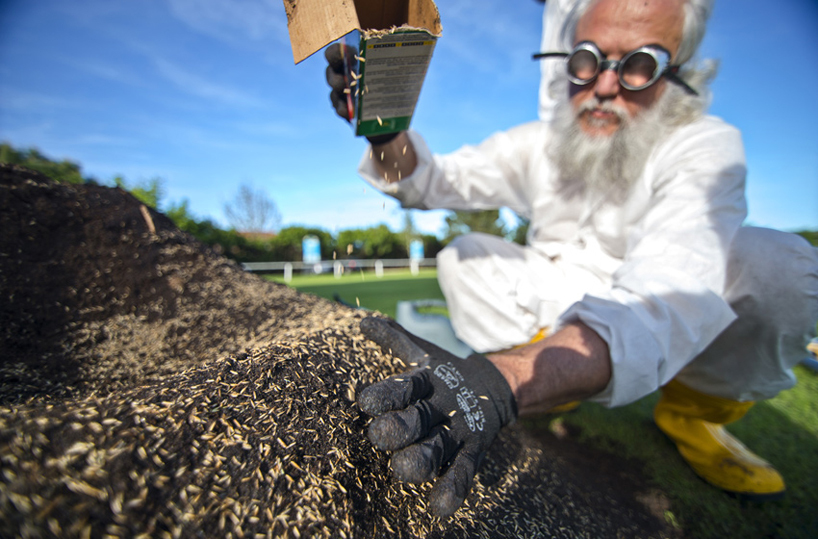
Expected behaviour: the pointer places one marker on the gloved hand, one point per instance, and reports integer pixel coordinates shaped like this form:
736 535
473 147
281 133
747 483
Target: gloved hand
339 79
440 416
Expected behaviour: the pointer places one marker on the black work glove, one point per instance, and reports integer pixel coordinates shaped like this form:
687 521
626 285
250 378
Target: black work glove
439 417
341 81
338 79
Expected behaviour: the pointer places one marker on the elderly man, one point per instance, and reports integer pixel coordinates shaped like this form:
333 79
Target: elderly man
637 274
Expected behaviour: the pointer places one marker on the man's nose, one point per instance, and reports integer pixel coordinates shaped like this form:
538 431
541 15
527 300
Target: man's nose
607 84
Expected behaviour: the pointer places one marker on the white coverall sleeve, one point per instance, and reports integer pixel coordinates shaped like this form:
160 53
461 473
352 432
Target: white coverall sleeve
487 176
666 303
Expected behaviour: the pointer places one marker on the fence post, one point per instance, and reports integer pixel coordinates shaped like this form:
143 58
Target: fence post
378 268
337 269
288 272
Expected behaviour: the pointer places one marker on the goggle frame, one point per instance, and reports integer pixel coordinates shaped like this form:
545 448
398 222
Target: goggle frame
659 54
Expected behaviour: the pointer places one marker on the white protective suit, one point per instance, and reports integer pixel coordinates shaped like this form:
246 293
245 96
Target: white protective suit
648 274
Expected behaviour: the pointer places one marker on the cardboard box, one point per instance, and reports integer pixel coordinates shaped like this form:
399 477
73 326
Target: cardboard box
394 41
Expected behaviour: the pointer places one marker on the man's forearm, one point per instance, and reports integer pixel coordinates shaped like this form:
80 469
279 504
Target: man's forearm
396 159
572 364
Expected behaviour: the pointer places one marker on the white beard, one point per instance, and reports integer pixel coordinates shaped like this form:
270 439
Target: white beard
609 165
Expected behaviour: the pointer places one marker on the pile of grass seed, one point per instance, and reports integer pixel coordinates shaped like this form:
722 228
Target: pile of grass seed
189 399
101 293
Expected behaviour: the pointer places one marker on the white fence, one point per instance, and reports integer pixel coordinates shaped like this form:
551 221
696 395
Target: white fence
339 267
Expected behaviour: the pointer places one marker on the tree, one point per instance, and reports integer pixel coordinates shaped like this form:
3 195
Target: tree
286 246
252 211
431 245
462 222
149 193
409 232
809 235
373 242
520 232
64 171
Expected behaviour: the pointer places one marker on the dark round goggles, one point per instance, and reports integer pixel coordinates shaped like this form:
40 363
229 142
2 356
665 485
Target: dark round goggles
637 70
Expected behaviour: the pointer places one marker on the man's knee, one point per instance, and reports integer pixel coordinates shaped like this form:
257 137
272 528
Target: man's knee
468 250
773 272
772 285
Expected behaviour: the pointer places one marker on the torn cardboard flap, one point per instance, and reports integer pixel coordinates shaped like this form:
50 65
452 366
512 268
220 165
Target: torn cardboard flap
394 41
314 24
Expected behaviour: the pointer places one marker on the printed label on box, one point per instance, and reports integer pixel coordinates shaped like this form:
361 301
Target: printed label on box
392 75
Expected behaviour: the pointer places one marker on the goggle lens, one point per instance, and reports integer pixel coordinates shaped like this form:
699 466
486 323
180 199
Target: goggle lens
638 70
583 65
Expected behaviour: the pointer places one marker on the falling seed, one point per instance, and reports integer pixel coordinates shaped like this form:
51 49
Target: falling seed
382 154
404 149
357 301
451 414
380 122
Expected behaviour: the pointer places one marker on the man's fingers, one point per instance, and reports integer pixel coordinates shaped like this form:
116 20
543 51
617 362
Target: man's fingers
453 487
335 80
393 340
395 392
339 103
422 461
334 54
396 430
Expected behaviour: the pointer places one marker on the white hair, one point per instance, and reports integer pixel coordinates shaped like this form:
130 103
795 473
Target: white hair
696 15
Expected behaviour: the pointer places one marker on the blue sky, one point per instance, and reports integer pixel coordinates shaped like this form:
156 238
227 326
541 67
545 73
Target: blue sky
204 94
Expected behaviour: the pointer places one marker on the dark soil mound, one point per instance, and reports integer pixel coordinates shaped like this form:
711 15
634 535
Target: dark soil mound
103 293
150 387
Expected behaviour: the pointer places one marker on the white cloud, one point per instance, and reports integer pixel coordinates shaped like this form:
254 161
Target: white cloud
107 71
202 87
14 99
237 22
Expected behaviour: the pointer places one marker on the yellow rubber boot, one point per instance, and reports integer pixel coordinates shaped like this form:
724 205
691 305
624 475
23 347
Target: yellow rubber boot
695 422
562 408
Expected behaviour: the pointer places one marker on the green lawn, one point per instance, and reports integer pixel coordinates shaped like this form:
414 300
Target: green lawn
783 430
370 292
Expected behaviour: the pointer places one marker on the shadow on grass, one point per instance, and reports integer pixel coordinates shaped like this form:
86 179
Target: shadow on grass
784 431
